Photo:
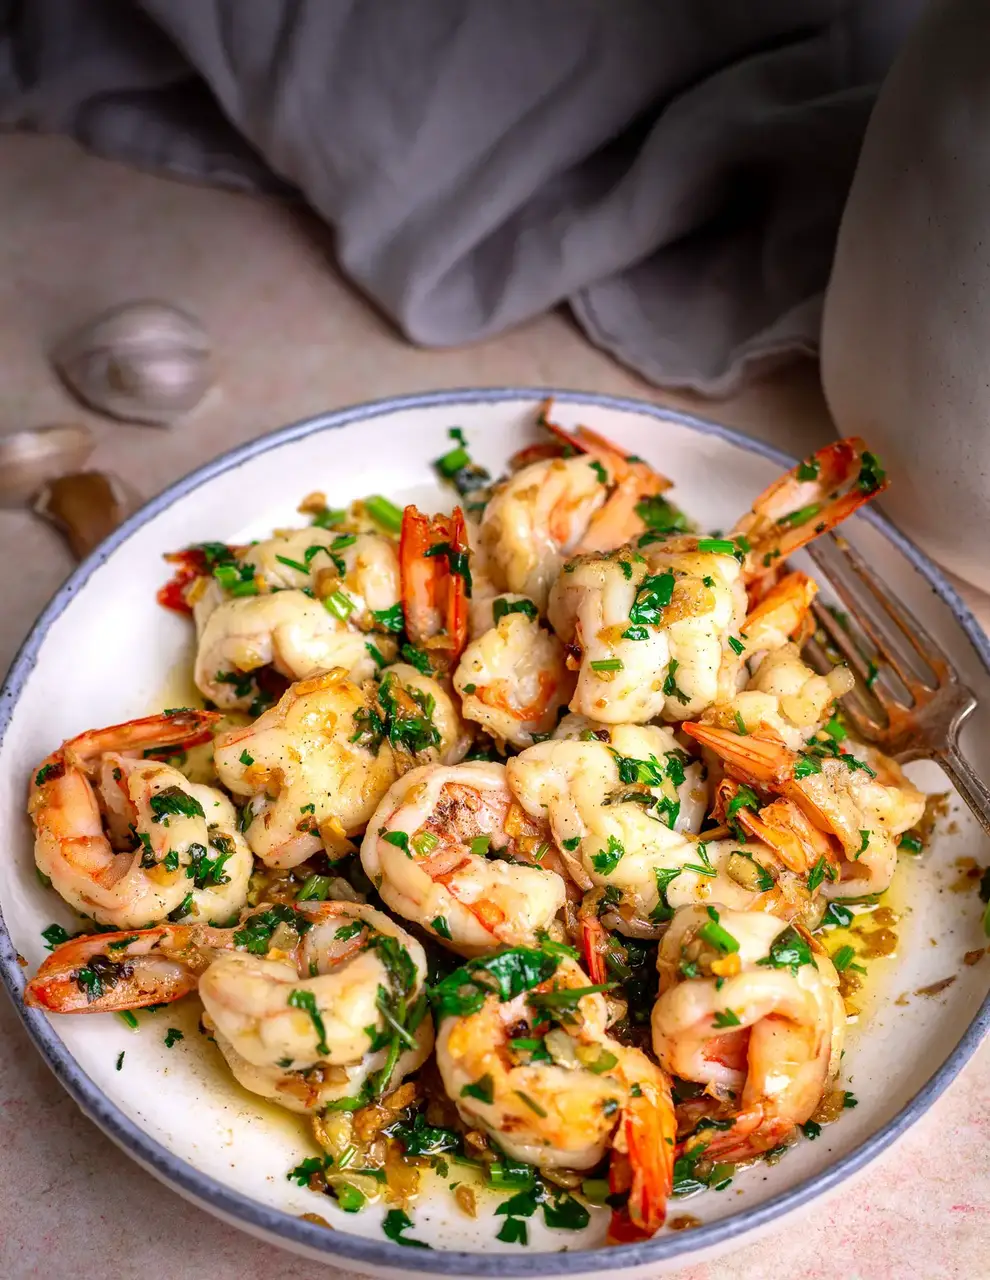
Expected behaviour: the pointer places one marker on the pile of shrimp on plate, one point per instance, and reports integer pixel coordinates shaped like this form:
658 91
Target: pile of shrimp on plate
509 838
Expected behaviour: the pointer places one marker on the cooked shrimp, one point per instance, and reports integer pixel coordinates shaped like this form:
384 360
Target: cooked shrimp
782 611
308 1004
559 506
321 594
435 555
428 850
784 695
834 802
659 630
316 765
343 1015
748 1003
526 1058
130 840
618 809
512 679
289 631
651 630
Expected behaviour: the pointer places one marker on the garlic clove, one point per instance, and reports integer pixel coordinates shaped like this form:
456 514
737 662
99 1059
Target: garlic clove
29 458
86 507
140 362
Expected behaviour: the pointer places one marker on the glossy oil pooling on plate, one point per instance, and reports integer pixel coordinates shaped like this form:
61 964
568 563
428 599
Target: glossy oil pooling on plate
516 861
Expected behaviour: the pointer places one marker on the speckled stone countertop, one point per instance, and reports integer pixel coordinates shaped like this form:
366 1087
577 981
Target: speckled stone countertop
78 234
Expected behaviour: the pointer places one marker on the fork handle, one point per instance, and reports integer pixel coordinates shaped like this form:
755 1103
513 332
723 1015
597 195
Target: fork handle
969 786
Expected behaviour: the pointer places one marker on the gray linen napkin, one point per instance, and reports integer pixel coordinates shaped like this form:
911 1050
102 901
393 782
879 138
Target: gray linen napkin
674 169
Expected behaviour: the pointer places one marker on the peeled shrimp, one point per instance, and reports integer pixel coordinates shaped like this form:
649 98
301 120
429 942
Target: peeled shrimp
315 766
540 1074
293 995
661 630
348 578
832 806
748 1003
445 848
651 630
618 809
305 1029
783 695
130 840
512 678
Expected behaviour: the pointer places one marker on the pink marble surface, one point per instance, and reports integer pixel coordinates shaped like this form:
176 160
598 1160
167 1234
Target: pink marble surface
77 234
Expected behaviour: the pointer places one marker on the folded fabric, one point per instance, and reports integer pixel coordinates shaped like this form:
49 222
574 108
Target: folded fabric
675 171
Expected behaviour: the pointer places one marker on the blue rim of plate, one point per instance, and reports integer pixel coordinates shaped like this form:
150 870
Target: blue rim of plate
282 1227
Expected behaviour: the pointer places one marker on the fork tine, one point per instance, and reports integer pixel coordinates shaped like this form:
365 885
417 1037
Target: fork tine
837 572
863 724
843 640
924 644
883 650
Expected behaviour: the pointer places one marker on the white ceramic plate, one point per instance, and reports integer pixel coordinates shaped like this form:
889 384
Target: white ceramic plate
102 652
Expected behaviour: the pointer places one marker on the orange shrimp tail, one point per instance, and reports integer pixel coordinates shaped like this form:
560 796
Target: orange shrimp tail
759 758
752 1133
813 497
643 1163
785 827
88 975
784 609
434 563
593 943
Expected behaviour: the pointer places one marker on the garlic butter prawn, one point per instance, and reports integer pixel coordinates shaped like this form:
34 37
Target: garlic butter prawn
308 1005
301 602
512 678
560 506
619 810
831 804
751 1009
129 840
450 849
313 768
783 695
659 626
524 1053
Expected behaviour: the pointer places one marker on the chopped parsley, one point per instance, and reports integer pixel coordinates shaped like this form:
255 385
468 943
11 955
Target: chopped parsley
306 1001
806 766
506 974
670 686
910 843
54 936
391 619
172 800
609 858
395 1223
501 608
661 516
871 474
172 1036
736 646
818 872
600 473
663 875
652 597
483 1090
255 934
789 950
714 934
441 927
808 469
725 1018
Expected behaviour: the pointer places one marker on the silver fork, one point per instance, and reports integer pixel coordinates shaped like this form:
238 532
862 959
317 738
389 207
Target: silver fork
928 728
